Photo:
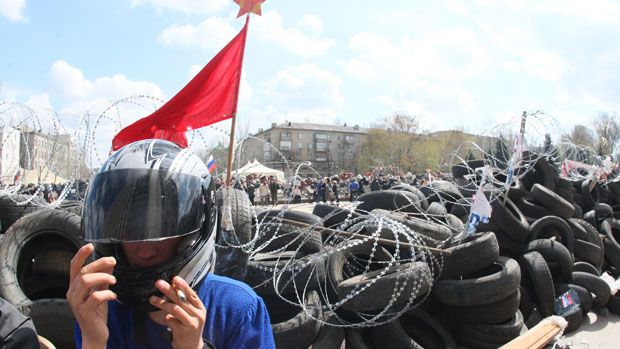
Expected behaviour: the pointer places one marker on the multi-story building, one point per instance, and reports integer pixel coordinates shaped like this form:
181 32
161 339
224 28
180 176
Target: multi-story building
56 153
9 154
329 148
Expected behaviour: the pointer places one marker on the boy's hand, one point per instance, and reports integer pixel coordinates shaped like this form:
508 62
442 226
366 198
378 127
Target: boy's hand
186 318
89 293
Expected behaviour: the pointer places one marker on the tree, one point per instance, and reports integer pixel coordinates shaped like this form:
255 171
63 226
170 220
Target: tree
548 146
607 128
399 123
582 135
502 153
389 142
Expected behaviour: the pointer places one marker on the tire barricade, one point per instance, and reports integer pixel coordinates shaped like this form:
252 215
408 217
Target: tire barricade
333 279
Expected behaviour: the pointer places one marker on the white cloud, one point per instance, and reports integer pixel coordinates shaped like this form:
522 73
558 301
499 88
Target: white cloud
312 23
425 97
593 10
212 33
41 101
304 91
545 65
70 83
185 6
450 55
96 110
360 69
270 28
13 9
193 70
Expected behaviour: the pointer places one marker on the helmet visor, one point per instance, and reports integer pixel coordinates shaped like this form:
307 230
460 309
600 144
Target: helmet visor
142 205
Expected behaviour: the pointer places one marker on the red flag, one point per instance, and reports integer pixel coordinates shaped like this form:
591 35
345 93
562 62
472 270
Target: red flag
211 96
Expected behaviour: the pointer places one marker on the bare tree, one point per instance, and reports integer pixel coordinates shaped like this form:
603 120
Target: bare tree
582 135
399 123
607 127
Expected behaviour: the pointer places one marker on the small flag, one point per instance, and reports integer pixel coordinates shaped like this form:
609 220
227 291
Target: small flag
18 176
480 206
517 154
211 164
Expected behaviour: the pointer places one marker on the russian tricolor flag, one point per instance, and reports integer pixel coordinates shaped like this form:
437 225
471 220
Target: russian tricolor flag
211 164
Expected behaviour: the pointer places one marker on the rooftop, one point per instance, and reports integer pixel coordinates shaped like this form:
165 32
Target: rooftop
317 127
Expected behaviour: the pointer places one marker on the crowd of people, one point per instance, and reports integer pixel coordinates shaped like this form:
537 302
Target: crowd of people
51 191
267 190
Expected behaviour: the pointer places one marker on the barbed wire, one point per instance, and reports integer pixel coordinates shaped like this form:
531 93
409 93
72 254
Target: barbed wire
410 262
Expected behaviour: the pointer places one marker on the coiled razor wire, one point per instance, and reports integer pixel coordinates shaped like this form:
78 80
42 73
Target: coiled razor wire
91 133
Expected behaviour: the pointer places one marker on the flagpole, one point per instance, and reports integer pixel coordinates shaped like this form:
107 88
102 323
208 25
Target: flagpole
231 145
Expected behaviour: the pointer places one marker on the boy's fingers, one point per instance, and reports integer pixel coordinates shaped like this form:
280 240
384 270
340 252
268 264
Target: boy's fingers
77 262
190 294
100 265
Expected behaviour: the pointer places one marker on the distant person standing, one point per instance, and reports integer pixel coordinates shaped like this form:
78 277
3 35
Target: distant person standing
249 189
263 193
273 189
375 184
296 195
354 188
319 191
336 196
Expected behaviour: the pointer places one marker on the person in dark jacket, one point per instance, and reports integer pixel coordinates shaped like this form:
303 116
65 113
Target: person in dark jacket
250 189
335 192
16 330
375 184
273 190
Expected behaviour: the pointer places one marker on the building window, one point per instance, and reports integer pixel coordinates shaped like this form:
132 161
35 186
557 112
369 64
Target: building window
321 146
298 145
285 145
299 136
349 138
321 159
321 136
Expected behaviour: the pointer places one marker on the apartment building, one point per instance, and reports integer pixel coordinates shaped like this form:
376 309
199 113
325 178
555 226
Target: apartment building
329 148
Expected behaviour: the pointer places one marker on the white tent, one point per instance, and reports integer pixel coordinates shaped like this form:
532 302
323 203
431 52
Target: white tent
256 167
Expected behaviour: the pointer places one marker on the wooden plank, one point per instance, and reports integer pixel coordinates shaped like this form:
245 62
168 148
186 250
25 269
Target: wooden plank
536 338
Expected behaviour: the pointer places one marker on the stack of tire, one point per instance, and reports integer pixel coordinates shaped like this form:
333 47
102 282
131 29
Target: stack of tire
287 269
561 233
35 252
490 288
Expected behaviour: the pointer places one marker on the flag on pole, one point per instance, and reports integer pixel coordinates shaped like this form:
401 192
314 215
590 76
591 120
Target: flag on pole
517 155
480 207
211 164
211 96
18 176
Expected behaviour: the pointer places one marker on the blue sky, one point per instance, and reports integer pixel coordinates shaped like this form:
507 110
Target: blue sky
468 64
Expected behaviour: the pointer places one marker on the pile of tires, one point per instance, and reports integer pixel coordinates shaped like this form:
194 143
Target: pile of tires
561 232
35 252
330 280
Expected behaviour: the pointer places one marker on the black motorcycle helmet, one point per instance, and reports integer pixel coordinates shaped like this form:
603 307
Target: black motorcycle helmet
152 190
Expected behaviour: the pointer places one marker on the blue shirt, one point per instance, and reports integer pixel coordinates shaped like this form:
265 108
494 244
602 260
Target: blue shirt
353 186
236 318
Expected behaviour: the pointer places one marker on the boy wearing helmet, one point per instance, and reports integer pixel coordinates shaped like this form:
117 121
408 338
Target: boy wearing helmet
151 217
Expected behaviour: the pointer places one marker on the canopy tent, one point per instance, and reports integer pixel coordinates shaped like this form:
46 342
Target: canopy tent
256 167
41 176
